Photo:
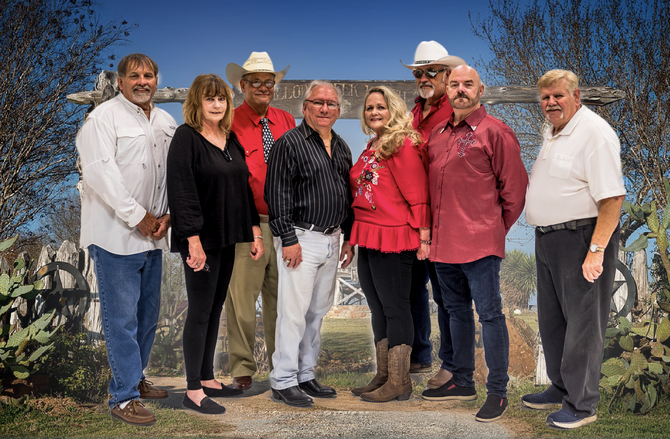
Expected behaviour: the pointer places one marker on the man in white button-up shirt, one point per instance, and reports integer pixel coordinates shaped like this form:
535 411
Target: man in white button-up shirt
123 147
574 198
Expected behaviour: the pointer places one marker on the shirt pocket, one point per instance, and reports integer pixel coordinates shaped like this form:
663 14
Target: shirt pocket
131 146
561 165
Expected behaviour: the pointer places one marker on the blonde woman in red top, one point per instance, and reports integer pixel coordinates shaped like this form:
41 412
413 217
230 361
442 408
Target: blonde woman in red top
391 225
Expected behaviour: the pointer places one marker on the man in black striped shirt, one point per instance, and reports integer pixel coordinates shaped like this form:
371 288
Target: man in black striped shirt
309 202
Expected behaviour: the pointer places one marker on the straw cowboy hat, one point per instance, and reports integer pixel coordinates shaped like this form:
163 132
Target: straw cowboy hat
258 62
432 52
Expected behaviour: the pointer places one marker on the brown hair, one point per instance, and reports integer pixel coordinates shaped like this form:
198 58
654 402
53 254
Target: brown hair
399 125
207 85
134 60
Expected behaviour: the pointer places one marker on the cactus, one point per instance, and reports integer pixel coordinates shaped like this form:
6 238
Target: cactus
22 349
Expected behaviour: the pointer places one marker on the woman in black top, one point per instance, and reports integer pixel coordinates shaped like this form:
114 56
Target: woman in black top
212 208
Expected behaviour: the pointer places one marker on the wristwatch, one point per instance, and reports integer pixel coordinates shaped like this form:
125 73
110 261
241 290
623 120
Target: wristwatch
595 249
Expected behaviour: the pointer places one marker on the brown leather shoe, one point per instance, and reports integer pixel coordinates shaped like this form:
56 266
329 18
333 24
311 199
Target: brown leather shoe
420 368
242 383
147 391
134 414
440 379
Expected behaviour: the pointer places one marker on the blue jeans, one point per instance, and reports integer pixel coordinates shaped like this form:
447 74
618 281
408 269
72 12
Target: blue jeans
129 287
422 272
477 281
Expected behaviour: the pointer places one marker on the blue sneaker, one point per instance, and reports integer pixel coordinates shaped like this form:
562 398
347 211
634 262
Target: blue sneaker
545 400
565 419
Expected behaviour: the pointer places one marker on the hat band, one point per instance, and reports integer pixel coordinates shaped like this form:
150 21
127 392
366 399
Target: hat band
424 61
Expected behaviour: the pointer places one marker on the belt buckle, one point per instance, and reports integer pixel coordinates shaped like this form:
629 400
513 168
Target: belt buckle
330 230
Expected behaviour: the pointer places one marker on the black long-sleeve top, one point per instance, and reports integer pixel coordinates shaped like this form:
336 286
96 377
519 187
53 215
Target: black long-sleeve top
208 195
304 183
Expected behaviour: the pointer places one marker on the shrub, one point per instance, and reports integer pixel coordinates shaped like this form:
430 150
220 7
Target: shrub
78 369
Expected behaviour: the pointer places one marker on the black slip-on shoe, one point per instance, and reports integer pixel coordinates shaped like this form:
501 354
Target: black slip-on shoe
317 390
223 392
207 406
292 396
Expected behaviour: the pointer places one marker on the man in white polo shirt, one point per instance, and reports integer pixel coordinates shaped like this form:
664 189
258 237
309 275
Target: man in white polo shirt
574 199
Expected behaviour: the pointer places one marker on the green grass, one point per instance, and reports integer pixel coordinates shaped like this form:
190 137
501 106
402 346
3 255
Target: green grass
58 419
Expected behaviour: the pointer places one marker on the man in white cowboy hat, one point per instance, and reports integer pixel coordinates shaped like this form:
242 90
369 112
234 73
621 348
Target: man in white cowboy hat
431 68
257 126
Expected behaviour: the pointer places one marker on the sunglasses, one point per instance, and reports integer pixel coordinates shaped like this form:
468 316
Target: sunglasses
431 73
257 83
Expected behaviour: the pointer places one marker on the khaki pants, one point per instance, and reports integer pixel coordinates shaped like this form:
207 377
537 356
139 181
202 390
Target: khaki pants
251 278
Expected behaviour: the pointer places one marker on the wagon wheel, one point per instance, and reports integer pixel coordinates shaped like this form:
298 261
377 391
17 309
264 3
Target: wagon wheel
631 298
70 304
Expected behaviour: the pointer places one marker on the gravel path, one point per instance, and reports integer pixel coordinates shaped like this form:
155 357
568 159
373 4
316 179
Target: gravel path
256 415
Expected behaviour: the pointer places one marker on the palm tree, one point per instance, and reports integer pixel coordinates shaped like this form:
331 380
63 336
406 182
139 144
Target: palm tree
518 279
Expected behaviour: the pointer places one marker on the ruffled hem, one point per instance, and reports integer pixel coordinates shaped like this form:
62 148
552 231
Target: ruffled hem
387 239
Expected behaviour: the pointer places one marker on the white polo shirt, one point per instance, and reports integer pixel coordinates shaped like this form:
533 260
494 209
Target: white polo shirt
575 169
123 158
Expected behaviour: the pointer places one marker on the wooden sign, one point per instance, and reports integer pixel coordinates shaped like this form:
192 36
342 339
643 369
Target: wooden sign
289 95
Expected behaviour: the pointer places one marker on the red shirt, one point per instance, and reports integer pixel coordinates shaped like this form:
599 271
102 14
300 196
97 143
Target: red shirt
477 185
391 200
247 126
439 112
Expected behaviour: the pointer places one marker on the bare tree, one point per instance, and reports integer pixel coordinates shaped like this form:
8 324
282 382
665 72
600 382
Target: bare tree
617 43
62 221
50 48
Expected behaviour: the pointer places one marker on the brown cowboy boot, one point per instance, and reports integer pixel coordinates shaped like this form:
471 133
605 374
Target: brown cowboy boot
399 385
382 369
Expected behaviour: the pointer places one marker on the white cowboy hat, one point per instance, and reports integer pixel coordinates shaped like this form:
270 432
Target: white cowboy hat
257 62
432 52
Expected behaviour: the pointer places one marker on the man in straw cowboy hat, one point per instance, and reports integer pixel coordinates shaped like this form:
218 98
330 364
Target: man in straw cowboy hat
257 126
431 68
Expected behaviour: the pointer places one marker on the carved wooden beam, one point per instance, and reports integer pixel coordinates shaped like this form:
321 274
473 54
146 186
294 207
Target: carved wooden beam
289 95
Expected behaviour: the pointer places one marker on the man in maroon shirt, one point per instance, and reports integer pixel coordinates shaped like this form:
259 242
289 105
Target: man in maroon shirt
477 188
431 68
257 126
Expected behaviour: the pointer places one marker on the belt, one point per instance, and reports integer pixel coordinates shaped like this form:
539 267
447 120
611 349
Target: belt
264 218
324 230
569 225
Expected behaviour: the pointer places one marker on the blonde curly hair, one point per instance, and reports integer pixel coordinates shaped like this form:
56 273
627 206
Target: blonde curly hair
398 127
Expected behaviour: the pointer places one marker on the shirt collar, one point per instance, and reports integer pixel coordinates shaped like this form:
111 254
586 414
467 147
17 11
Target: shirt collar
133 106
572 123
255 117
308 131
473 120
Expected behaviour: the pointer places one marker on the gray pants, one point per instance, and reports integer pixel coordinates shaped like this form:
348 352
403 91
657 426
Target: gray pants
573 313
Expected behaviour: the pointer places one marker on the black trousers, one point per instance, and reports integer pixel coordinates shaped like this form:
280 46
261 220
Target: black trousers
206 291
386 279
573 312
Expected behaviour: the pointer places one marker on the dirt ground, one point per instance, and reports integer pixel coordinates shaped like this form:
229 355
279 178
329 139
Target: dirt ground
257 415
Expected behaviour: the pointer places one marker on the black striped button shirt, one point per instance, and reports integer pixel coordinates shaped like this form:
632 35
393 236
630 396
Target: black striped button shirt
304 183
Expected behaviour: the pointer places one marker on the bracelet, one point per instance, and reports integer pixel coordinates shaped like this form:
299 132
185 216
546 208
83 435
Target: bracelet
258 237
426 242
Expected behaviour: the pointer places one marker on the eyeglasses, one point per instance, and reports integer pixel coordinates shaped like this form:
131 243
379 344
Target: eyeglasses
318 103
257 83
226 155
431 73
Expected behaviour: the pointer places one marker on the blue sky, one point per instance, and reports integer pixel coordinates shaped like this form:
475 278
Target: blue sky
320 40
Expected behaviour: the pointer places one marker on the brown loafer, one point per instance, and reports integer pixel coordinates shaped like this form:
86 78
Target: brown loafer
147 391
134 414
440 379
242 383
420 368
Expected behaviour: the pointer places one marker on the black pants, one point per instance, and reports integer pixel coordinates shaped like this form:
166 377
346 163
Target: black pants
206 292
386 279
573 313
